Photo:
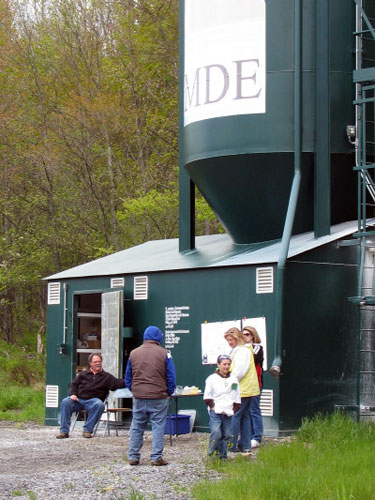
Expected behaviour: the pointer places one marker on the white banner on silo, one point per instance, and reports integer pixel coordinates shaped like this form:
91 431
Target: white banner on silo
225 58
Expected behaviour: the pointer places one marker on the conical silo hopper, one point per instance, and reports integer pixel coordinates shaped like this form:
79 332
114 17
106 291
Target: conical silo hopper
237 125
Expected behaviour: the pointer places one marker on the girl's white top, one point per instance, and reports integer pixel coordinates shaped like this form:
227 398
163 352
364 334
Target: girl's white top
223 391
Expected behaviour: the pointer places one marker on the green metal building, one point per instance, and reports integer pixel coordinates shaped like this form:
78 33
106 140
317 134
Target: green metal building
218 282
270 136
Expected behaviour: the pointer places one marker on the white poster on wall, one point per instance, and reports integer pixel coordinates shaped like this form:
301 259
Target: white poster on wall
260 325
213 341
225 58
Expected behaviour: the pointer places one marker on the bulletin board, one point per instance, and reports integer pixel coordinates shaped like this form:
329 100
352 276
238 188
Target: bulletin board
213 342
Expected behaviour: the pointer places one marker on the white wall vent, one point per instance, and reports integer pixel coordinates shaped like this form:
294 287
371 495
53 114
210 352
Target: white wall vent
264 280
54 293
266 403
52 396
117 282
141 287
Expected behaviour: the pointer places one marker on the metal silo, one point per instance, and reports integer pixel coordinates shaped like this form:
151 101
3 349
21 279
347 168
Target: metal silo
265 93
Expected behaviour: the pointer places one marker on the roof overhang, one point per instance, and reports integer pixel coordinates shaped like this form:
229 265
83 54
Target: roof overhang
211 251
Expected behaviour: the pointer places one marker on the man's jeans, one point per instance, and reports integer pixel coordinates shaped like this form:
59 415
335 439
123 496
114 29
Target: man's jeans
256 419
143 409
93 406
241 420
220 427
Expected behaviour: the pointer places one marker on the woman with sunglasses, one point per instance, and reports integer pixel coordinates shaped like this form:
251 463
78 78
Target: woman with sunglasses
243 367
256 420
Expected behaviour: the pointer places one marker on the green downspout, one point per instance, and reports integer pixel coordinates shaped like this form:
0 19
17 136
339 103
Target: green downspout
293 198
186 185
322 170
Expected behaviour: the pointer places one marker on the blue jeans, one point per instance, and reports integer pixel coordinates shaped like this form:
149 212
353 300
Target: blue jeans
241 420
143 409
93 406
220 427
256 419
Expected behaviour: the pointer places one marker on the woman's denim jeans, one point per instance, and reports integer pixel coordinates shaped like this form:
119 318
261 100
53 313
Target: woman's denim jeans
241 421
143 409
256 419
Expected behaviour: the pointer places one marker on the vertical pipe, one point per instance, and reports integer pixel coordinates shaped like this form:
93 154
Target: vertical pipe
186 186
322 171
65 326
293 198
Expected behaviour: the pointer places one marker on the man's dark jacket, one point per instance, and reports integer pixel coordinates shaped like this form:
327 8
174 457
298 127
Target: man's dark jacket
86 385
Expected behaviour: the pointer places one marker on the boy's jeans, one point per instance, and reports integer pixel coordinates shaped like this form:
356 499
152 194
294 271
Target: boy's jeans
220 426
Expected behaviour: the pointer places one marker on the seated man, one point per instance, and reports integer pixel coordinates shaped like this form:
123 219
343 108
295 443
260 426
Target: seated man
88 391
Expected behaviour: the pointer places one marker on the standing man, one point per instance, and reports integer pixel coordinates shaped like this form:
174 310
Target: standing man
88 392
151 377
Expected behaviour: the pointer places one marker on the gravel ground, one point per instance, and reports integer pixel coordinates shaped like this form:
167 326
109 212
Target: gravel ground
37 466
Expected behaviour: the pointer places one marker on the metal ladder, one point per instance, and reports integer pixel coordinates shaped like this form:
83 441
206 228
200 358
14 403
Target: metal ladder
363 137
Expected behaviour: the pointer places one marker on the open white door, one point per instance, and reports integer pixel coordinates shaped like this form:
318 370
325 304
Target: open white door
111 318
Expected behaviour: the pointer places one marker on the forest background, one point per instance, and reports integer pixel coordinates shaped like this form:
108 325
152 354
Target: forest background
88 142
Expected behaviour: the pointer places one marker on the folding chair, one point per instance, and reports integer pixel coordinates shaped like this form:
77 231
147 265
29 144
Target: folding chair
114 411
79 416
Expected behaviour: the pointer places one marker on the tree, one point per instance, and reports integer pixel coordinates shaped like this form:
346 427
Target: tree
88 139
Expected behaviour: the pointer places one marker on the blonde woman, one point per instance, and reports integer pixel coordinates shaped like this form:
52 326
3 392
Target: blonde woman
252 339
243 368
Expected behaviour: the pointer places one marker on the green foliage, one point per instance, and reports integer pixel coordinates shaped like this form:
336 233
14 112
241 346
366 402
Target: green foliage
22 404
88 141
152 216
334 430
19 366
331 459
32 495
88 119
206 220
135 495
22 375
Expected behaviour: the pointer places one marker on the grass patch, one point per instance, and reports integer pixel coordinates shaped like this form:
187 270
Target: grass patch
22 404
331 458
22 374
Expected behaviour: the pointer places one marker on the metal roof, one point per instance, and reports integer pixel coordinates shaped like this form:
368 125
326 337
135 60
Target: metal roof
211 251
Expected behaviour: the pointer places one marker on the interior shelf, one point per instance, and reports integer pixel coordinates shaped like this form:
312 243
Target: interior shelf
88 315
88 351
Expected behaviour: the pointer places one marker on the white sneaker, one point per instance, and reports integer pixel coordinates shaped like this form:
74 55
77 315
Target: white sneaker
254 443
